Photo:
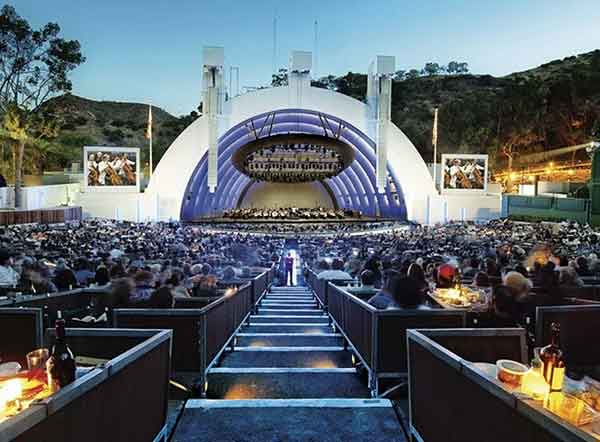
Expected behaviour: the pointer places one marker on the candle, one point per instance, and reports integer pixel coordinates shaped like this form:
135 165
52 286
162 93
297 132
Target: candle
10 391
535 385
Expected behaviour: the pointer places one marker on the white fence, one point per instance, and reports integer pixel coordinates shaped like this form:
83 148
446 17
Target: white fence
40 197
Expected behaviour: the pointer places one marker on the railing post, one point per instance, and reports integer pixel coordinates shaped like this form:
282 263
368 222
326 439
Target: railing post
374 354
203 356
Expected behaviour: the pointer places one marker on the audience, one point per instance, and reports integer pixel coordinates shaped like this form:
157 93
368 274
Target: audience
152 264
8 276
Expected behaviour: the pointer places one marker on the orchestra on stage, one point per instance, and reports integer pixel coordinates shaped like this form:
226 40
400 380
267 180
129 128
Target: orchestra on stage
111 169
291 213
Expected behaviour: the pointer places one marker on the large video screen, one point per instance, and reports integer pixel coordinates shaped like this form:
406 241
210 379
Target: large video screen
111 168
464 172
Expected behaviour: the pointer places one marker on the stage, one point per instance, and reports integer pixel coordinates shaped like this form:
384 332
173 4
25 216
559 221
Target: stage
361 220
51 215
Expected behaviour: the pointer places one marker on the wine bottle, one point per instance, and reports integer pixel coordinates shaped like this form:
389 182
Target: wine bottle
60 367
553 360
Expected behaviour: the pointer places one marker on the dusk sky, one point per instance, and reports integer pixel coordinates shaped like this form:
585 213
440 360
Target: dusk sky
151 50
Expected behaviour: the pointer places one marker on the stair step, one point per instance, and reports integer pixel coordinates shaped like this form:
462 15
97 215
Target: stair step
292 349
307 299
278 303
291 292
289 288
288 328
286 357
289 306
279 319
288 340
297 420
264 311
285 383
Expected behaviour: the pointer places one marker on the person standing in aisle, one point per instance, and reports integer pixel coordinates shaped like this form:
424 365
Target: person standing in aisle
289 269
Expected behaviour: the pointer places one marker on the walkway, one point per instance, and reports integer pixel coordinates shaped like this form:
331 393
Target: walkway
289 378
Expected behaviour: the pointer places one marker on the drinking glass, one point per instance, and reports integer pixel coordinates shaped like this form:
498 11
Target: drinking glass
37 359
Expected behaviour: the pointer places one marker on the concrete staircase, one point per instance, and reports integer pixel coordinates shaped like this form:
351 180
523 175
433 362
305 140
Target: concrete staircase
289 378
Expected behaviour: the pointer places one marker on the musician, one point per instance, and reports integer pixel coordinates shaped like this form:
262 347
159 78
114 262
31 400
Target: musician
454 171
103 166
117 165
474 171
128 168
92 170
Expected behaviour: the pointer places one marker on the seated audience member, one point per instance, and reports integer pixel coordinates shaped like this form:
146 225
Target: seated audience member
416 273
336 272
583 268
568 278
491 267
353 267
229 274
144 287
504 309
122 289
400 292
548 278
322 266
40 280
175 283
83 274
385 298
446 274
64 278
101 278
374 265
481 280
522 270
205 286
117 271
519 285
407 293
161 298
367 284
470 269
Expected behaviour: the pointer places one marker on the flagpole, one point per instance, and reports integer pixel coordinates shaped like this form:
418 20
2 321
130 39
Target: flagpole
434 142
150 151
149 136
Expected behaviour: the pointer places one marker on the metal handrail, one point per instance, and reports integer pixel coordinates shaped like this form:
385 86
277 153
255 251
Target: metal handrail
245 290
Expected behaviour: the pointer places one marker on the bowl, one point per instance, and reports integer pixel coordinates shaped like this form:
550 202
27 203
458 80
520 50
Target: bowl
511 372
9 369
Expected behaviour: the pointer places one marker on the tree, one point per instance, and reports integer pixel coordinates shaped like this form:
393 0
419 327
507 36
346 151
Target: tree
412 74
280 79
325 83
399 75
34 66
431 69
462 68
452 67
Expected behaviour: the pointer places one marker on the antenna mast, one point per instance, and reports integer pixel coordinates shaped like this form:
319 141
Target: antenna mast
316 52
275 44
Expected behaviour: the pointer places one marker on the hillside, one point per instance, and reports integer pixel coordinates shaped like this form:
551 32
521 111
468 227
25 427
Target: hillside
110 123
554 105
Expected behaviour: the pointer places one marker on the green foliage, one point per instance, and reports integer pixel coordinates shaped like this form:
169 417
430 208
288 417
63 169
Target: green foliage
280 79
113 135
